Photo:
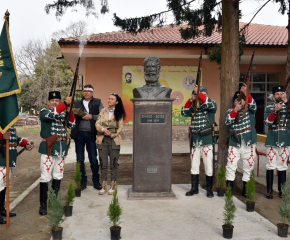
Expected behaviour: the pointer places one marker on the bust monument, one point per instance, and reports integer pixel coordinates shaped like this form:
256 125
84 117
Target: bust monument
153 89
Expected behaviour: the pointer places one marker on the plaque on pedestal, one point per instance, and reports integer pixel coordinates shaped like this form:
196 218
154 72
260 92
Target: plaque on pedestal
152 149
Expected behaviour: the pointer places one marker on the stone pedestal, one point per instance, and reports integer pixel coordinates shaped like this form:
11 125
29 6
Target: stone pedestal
152 149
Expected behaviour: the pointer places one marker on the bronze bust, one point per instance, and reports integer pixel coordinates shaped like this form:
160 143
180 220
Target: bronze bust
153 88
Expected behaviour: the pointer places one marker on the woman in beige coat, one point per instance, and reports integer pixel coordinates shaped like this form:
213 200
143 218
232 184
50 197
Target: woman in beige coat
109 125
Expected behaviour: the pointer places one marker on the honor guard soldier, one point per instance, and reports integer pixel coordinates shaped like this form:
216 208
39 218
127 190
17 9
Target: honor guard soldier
53 147
201 144
243 138
14 141
278 140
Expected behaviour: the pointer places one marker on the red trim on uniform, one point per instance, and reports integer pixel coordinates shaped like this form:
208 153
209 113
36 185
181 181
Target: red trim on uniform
72 117
272 117
202 97
188 104
23 142
60 107
1 137
250 99
233 114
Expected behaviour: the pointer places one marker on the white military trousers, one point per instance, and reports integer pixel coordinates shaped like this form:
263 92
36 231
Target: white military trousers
277 157
51 167
3 177
248 156
206 153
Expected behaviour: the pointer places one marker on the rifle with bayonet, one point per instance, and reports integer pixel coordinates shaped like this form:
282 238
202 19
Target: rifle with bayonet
242 95
194 104
72 94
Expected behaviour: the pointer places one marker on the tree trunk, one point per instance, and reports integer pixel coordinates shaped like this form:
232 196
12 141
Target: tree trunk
288 54
230 73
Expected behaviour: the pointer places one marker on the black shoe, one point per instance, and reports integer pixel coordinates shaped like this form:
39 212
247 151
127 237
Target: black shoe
97 185
2 207
269 180
43 198
55 186
2 220
281 181
209 181
194 185
244 192
231 185
83 185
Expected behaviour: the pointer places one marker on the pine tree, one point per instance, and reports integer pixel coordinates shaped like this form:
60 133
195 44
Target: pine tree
251 187
55 209
78 174
70 195
229 208
284 208
114 212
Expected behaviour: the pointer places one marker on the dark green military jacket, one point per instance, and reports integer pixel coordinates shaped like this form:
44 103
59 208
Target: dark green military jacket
199 122
53 122
14 139
279 137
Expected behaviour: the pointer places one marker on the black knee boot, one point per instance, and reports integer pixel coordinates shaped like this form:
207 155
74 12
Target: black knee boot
281 181
55 186
2 205
209 181
231 185
2 220
244 193
194 185
269 180
43 198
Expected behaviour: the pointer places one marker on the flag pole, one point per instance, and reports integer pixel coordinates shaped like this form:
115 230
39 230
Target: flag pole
7 185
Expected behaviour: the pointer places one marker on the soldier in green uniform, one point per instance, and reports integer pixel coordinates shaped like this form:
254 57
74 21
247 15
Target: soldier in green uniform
202 119
278 139
14 141
52 164
243 139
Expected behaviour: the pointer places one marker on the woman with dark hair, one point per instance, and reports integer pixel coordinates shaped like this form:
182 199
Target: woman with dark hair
109 126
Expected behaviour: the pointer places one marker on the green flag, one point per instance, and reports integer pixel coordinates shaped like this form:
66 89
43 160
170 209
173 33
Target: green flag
9 82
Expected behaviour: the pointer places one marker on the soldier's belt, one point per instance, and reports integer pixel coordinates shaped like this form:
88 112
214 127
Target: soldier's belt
246 129
58 139
274 128
195 132
10 145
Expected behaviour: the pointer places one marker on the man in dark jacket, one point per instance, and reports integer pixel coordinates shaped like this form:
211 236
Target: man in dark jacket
85 134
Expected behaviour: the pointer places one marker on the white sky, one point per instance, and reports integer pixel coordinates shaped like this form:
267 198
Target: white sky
29 20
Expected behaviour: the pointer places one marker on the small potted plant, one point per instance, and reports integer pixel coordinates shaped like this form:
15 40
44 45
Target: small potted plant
78 178
114 213
229 214
284 210
251 192
69 199
221 181
55 213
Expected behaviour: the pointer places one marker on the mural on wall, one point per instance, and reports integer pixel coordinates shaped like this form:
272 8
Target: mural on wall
180 78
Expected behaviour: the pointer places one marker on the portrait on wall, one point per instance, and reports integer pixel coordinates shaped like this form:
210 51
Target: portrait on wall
180 78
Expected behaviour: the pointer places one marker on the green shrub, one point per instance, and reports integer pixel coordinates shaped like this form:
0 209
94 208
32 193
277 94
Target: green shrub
78 174
229 208
284 208
70 195
251 187
55 209
221 177
114 212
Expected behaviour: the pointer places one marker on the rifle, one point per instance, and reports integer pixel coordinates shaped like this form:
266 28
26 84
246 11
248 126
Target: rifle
242 95
194 104
72 93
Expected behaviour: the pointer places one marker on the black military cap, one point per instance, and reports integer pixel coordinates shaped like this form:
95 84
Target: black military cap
54 94
237 94
278 88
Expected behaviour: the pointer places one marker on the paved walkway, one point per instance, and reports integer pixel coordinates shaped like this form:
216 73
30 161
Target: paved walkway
185 218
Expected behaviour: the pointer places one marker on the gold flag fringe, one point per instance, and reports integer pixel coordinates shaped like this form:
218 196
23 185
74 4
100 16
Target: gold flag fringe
9 125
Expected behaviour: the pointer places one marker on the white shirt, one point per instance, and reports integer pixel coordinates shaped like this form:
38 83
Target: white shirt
86 105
